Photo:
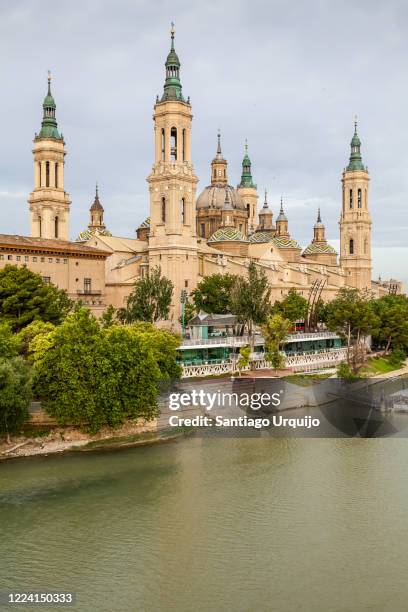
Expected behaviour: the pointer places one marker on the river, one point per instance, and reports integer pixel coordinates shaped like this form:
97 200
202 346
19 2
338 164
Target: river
213 524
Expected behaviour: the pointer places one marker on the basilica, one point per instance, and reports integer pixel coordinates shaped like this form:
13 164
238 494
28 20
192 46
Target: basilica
188 235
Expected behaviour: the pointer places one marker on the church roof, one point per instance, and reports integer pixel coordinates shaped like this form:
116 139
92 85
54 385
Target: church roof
227 234
30 244
213 196
88 233
316 249
259 237
285 243
145 224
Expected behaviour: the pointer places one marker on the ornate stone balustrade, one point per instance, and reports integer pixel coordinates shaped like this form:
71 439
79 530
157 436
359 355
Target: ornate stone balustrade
298 363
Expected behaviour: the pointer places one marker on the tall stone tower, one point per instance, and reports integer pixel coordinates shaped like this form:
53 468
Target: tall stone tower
172 186
49 203
355 221
247 191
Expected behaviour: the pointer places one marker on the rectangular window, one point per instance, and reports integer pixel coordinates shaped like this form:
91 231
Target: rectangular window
359 198
50 260
18 258
34 259
1 256
26 258
351 198
46 280
87 285
42 259
65 261
9 257
186 283
57 260
203 230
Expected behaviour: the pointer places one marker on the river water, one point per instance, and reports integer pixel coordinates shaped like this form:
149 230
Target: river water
213 524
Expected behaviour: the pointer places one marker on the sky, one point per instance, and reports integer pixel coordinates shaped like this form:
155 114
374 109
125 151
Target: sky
289 77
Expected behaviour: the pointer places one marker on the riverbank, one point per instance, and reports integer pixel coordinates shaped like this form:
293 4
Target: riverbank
60 440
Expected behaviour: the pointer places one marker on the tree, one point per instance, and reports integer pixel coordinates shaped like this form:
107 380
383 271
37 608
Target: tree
15 394
274 332
250 300
108 317
93 376
189 312
351 315
24 297
244 358
10 344
27 335
392 311
293 307
149 300
212 294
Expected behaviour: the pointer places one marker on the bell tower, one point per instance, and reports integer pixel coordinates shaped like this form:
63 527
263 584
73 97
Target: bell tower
355 221
172 185
248 192
49 203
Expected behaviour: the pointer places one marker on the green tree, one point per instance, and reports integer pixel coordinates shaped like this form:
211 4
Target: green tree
10 344
15 394
250 300
351 315
27 335
244 358
189 312
149 300
24 297
212 293
293 306
108 317
274 332
93 376
392 311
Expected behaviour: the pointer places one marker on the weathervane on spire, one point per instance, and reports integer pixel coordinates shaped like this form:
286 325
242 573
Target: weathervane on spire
355 123
49 76
246 145
172 32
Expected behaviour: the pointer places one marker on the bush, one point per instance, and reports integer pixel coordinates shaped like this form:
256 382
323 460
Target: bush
397 357
345 372
15 394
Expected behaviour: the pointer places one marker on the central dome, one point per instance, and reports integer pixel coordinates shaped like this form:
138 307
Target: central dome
213 196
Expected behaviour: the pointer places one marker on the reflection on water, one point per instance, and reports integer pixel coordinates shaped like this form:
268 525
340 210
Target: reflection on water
213 524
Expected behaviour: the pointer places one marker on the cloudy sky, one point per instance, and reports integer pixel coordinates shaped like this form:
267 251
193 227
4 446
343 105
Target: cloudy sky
289 77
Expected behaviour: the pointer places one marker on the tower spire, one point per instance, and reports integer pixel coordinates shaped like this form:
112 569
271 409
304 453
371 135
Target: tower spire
246 175
219 154
49 127
355 163
172 85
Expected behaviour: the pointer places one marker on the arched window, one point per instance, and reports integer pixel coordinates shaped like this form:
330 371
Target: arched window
56 228
173 144
202 230
40 226
39 173
359 198
351 198
47 174
163 210
183 210
56 175
351 246
163 143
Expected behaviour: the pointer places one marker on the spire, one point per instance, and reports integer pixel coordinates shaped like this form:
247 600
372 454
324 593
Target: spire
319 230
246 176
96 205
219 153
49 127
355 163
282 216
227 201
172 85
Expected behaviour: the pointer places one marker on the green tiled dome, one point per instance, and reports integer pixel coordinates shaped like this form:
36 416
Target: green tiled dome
285 243
86 234
316 249
227 234
261 237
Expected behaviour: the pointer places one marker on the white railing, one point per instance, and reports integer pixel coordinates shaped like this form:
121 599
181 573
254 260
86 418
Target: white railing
297 363
243 340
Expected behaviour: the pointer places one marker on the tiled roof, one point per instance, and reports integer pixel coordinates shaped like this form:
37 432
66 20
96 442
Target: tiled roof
315 249
227 234
145 224
260 237
285 243
86 234
28 243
